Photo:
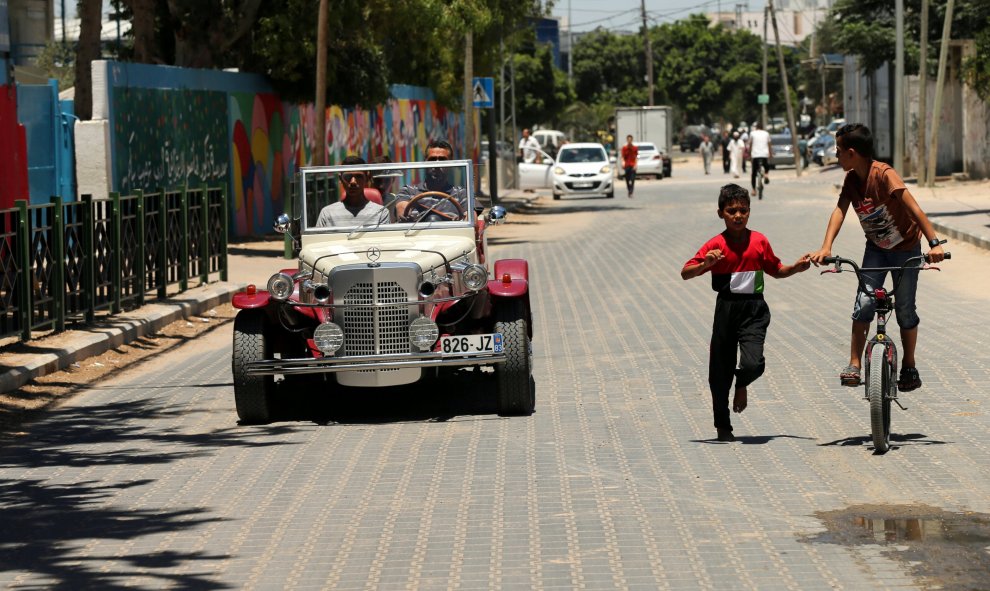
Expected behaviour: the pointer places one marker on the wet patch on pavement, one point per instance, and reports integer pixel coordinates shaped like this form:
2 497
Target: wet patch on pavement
941 549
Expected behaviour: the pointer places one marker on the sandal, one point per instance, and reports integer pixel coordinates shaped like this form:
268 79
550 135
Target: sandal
909 379
850 376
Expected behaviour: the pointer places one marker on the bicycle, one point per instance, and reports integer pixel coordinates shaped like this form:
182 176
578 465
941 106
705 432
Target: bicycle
759 182
881 353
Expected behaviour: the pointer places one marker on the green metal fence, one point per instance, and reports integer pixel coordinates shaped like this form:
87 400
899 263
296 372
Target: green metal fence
64 262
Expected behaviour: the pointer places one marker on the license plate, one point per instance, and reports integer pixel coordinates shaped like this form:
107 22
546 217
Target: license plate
475 343
583 185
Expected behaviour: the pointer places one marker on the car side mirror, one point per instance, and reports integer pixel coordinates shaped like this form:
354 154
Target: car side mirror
497 215
287 226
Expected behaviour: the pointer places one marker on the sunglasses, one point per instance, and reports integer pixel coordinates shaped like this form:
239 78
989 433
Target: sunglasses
735 210
351 176
437 159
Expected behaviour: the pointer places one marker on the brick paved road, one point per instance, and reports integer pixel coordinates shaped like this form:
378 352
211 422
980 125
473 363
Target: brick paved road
146 481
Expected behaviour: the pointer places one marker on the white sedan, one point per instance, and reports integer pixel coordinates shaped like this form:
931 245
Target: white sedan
582 169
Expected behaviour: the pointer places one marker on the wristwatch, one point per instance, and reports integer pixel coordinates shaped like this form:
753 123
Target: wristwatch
934 242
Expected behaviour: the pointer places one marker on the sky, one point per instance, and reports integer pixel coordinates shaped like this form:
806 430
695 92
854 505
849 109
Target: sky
625 14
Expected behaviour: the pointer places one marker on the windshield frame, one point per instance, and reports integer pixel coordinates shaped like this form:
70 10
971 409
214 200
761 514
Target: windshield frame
565 149
305 175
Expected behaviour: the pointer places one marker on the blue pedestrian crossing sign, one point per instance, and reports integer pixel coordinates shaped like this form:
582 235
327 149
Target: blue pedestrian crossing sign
483 91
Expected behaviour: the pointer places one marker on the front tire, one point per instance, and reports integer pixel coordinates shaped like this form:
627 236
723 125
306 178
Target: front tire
879 380
514 376
252 394
610 195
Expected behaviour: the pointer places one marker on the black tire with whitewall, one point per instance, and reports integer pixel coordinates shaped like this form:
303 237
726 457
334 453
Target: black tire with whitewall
516 390
252 394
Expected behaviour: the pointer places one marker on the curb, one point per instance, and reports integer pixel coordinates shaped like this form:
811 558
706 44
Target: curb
116 331
960 235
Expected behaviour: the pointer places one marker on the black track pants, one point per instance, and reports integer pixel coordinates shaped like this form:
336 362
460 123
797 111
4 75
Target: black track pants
739 324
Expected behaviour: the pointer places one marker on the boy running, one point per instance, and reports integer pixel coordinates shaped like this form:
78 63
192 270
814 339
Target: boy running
894 224
737 258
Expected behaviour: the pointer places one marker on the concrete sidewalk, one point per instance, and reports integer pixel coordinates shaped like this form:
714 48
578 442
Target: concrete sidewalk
958 210
248 262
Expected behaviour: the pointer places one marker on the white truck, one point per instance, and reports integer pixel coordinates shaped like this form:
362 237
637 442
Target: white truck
646 124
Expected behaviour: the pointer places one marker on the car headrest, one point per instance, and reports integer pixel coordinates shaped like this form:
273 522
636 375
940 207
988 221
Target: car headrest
372 194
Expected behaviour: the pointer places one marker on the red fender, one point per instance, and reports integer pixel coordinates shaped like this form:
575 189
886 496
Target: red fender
249 299
517 286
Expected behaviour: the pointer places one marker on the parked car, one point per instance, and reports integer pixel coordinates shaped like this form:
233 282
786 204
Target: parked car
822 150
503 149
690 137
835 125
650 161
387 302
783 150
550 140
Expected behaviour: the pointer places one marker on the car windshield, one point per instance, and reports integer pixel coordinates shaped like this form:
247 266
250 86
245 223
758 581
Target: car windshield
591 154
384 197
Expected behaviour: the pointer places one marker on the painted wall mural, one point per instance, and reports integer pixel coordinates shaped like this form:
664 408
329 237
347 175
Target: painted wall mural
173 127
168 138
270 140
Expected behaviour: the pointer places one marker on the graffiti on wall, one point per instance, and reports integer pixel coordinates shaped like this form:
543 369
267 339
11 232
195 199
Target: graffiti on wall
168 138
270 140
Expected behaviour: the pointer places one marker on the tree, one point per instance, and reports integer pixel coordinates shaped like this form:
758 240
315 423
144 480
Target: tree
706 72
90 23
542 90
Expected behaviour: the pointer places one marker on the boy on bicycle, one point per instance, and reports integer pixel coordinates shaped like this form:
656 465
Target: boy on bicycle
894 224
737 258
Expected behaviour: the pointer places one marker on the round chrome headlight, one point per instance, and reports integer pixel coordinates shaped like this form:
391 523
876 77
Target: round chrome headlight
474 276
280 286
423 332
328 337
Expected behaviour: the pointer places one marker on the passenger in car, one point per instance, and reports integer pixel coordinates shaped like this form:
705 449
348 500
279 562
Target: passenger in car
354 209
436 180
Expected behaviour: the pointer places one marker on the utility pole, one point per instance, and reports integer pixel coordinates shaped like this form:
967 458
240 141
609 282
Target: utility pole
322 32
570 44
763 110
899 86
63 23
787 88
943 55
923 97
469 101
649 51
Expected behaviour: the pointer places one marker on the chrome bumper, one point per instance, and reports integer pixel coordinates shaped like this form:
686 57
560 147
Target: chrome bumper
359 362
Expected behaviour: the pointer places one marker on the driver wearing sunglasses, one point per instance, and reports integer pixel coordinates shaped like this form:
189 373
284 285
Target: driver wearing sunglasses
354 209
436 180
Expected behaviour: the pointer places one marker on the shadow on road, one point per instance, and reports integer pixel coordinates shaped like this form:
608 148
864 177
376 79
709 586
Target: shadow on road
902 439
751 439
468 392
45 521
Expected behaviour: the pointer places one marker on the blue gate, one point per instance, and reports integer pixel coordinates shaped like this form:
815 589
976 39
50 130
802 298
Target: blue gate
48 124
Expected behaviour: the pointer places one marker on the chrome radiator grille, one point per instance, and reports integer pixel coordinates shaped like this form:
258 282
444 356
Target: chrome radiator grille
372 331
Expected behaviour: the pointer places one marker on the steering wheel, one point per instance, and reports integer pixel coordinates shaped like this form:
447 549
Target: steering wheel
427 209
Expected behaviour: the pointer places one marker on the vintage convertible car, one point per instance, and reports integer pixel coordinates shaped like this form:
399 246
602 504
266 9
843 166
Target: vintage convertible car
388 298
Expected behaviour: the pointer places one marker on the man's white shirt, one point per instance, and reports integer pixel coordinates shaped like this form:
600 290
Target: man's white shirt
528 146
759 146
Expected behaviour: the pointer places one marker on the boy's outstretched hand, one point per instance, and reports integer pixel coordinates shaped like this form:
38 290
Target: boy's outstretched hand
803 264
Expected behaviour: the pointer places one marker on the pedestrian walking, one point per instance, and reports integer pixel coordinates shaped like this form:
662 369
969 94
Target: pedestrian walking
735 154
738 258
706 148
744 136
726 156
894 224
528 148
630 154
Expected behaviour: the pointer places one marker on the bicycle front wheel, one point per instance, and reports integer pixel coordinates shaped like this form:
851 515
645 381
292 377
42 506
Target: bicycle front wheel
877 383
759 185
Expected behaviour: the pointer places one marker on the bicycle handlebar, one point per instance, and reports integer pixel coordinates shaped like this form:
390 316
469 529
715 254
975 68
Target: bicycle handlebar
907 266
